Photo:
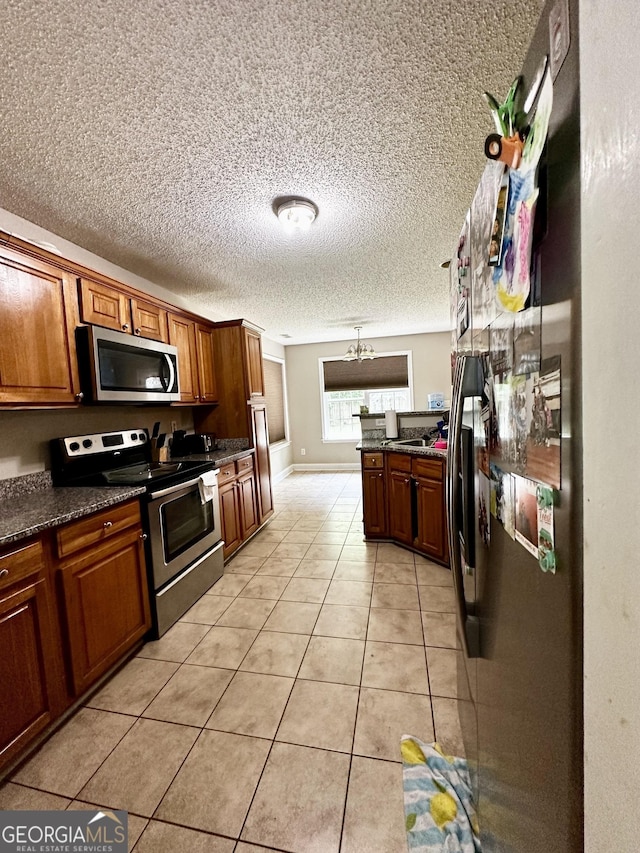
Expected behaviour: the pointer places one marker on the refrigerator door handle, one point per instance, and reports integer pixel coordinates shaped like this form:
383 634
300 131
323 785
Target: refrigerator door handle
468 624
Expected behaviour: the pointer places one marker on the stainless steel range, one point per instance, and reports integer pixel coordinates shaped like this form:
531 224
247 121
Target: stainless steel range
184 542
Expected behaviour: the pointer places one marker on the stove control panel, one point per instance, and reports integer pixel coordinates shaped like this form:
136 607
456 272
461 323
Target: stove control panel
89 445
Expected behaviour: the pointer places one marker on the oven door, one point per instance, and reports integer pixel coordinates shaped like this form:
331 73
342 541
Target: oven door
181 528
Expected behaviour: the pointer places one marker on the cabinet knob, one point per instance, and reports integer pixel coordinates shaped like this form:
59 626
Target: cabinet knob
125 327
137 331
80 396
407 479
379 475
108 524
144 537
4 573
203 398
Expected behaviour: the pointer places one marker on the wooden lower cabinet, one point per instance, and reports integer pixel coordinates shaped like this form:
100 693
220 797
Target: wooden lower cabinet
430 526
230 517
431 531
32 694
400 510
374 504
238 503
104 587
406 501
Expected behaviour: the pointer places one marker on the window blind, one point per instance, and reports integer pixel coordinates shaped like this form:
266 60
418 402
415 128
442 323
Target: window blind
274 399
385 371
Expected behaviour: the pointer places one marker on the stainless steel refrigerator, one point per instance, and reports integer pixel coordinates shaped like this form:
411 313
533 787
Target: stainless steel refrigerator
519 626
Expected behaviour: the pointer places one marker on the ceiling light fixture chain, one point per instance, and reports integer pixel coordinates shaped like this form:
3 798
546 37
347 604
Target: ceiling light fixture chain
359 351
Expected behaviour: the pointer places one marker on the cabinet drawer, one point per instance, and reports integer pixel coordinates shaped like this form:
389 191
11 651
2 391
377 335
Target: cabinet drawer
97 527
21 563
373 460
399 462
432 468
227 472
245 464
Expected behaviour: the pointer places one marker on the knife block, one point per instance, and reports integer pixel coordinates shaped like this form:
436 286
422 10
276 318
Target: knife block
158 454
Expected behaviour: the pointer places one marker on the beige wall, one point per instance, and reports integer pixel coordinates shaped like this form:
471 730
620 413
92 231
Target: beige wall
609 100
24 436
281 454
431 372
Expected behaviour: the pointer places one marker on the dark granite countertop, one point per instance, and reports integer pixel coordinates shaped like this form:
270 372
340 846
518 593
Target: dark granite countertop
426 413
23 515
383 444
218 457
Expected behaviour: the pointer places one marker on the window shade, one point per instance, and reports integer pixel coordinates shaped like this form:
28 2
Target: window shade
274 399
385 371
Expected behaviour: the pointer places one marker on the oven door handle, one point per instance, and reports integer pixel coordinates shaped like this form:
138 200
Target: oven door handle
178 487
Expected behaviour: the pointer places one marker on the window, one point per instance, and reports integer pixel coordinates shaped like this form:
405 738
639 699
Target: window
379 384
275 399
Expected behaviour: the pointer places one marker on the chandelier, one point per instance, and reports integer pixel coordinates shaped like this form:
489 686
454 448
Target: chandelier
359 351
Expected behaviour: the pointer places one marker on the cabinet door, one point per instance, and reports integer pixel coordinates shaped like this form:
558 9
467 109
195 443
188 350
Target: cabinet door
373 498
30 668
400 521
104 306
206 372
248 504
149 321
107 605
182 334
230 517
431 525
263 461
255 376
38 316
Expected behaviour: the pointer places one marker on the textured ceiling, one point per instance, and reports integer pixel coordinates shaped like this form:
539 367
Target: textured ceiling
158 133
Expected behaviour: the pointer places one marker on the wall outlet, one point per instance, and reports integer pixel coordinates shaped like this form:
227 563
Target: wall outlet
303 451
174 426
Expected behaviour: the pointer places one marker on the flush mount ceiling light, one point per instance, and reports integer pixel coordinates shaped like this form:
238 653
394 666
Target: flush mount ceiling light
296 214
359 350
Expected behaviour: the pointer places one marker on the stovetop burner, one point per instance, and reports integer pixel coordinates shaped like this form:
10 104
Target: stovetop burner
134 474
115 458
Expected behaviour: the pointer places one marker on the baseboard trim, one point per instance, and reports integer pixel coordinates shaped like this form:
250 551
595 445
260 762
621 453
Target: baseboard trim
328 466
282 474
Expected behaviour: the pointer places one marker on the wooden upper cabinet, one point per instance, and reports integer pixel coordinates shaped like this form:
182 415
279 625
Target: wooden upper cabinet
149 321
195 360
103 305
255 375
38 316
206 371
182 334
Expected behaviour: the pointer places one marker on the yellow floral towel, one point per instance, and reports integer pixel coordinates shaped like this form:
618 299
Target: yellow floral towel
438 809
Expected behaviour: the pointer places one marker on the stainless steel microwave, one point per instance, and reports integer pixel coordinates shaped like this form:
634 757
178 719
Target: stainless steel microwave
120 368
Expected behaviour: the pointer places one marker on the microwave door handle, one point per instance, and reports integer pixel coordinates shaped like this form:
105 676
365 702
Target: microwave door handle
453 491
172 372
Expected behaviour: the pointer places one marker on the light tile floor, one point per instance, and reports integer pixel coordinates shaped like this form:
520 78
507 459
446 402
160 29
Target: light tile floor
270 715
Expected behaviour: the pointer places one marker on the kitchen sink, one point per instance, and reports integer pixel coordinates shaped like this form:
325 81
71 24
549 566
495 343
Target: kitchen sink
410 442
